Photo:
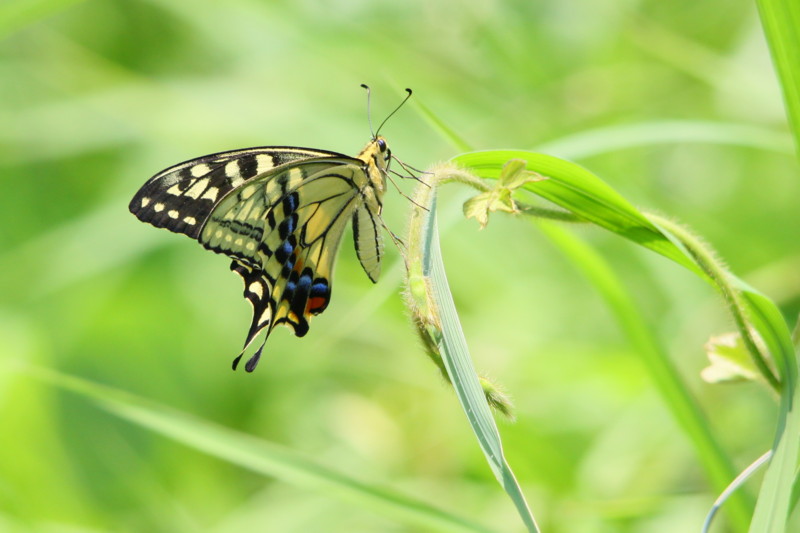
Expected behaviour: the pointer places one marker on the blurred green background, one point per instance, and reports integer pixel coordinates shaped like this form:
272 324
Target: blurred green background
95 97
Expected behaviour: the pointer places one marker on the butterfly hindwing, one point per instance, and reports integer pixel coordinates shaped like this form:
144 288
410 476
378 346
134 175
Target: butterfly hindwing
283 230
368 241
303 264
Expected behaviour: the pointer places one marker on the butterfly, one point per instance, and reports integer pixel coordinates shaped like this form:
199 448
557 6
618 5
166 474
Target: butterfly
280 213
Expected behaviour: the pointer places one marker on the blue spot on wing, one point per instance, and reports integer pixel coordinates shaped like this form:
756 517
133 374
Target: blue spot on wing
319 289
284 251
287 226
290 203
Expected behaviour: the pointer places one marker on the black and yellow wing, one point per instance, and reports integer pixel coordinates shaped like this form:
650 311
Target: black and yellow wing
280 214
283 230
181 197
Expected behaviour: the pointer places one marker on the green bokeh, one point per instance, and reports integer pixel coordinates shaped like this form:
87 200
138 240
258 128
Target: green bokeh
97 96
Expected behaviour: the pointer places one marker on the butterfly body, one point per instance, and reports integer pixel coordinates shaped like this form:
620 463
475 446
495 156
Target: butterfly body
280 214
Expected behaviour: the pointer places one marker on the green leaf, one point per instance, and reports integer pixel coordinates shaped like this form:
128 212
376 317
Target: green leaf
608 139
576 189
781 20
499 198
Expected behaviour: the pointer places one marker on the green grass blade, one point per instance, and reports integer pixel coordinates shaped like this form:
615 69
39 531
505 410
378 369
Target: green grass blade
258 455
781 21
458 363
576 189
775 498
433 310
740 480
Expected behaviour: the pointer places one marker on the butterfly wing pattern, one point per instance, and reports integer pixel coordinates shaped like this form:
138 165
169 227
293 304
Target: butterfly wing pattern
280 214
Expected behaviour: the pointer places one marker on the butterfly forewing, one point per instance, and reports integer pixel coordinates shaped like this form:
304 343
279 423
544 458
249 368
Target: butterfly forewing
284 228
181 197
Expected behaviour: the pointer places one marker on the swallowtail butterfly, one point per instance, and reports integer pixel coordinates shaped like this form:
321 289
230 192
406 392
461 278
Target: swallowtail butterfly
280 213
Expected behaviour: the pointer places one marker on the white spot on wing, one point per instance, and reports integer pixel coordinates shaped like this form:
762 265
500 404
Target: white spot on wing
158 207
211 194
145 202
190 220
200 170
172 214
175 190
197 189
256 289
263 163
232 169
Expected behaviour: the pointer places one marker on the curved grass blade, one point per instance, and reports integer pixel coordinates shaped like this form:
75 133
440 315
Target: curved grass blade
258 455
577 190
437 316
781 20
731 489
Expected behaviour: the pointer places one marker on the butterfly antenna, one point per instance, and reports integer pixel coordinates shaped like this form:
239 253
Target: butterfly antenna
393 112
369 109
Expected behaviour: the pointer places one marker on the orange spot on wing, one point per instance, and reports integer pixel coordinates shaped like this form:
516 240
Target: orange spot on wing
316 304
298 266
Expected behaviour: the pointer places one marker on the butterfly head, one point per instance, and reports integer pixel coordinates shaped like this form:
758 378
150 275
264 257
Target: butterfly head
376 156
383 150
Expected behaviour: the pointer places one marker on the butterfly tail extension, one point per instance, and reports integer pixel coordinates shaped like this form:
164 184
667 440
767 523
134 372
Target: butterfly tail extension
257 291
253 361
